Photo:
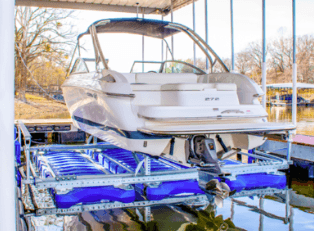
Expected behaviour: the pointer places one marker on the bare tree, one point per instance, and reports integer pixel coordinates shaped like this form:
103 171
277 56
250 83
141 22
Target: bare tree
281 54
39 35
305 58
243 61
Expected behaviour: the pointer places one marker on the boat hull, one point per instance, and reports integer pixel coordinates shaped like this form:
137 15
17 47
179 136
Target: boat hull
110 119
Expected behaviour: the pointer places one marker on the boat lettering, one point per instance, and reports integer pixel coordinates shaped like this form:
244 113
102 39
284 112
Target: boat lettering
212 99
92 95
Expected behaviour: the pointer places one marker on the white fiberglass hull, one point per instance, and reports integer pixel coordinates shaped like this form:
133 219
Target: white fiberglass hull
110 119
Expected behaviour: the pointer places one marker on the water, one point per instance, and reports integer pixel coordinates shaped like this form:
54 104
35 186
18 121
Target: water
305 118
284 210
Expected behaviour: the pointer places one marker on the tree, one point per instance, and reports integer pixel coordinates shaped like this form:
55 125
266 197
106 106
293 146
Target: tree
41 35
305 58
243 61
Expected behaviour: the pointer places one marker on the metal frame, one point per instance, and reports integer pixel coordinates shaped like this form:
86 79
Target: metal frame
266 163
260 209
194 200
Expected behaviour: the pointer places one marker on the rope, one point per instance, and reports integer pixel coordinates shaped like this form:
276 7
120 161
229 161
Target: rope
45 92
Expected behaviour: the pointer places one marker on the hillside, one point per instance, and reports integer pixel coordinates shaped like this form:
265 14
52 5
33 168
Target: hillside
38 107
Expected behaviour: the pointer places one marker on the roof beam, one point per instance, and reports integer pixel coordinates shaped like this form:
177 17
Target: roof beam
86 6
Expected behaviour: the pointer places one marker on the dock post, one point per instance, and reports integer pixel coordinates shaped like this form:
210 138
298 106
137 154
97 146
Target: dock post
287 206
206 32
289 143
294 69
232 36
264 98
194 45
7 171
172 41
261 216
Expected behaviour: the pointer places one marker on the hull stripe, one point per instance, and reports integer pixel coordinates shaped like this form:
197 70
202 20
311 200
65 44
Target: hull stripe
124 133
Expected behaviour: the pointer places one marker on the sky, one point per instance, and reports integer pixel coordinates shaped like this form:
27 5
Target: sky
247 28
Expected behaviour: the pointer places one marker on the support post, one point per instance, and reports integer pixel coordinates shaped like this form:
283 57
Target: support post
162 44
232 210
287 206
294 69
264 99
172 41
289 143
232 37
206 32
261 216
7 174
143 48
194 45
147 215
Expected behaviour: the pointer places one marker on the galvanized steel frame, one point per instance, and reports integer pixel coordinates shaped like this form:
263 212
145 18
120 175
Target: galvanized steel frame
196 200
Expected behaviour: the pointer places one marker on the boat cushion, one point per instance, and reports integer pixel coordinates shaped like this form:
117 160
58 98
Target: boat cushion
226 86
184 87
162 78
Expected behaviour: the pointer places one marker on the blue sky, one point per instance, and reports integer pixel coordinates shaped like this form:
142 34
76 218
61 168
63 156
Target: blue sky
247 26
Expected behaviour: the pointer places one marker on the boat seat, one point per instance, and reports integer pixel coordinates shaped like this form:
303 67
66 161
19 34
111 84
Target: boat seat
184 87
163 78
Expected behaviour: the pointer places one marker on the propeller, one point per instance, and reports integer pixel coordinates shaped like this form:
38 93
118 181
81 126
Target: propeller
221 191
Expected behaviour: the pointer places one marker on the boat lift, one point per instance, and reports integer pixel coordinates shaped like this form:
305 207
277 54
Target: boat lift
266 163
7 85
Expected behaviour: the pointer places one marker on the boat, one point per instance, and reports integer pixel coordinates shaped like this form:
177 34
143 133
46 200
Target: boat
176 110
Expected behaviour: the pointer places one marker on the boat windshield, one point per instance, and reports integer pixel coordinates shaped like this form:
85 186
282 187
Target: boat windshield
146 66
169 66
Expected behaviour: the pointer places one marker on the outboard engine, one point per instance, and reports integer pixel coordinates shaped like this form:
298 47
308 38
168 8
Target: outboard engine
203 153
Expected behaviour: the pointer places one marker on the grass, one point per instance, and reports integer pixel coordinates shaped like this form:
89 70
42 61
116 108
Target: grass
38 107
306 190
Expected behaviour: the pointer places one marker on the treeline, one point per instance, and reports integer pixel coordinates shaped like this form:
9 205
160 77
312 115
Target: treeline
42 40
279 55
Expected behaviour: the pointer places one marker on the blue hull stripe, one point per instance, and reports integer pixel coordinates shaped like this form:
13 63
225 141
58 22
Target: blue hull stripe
124 133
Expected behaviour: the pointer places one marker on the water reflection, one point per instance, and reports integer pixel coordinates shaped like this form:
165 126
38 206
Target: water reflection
256 209
305 118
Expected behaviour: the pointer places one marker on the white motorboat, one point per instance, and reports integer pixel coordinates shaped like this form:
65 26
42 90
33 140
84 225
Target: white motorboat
177 110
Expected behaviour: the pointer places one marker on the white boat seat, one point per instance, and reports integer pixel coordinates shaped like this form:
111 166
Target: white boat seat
163 78
184 87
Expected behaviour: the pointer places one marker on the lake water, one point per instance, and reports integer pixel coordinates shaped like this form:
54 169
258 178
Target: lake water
305 118
283 210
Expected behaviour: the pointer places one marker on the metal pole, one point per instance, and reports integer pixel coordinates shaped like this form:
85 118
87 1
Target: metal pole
294 69
264 99
206 32
287 206
194 45
162 44
232 41
143 48
172 42
289 147
7 174
137 5
261 216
